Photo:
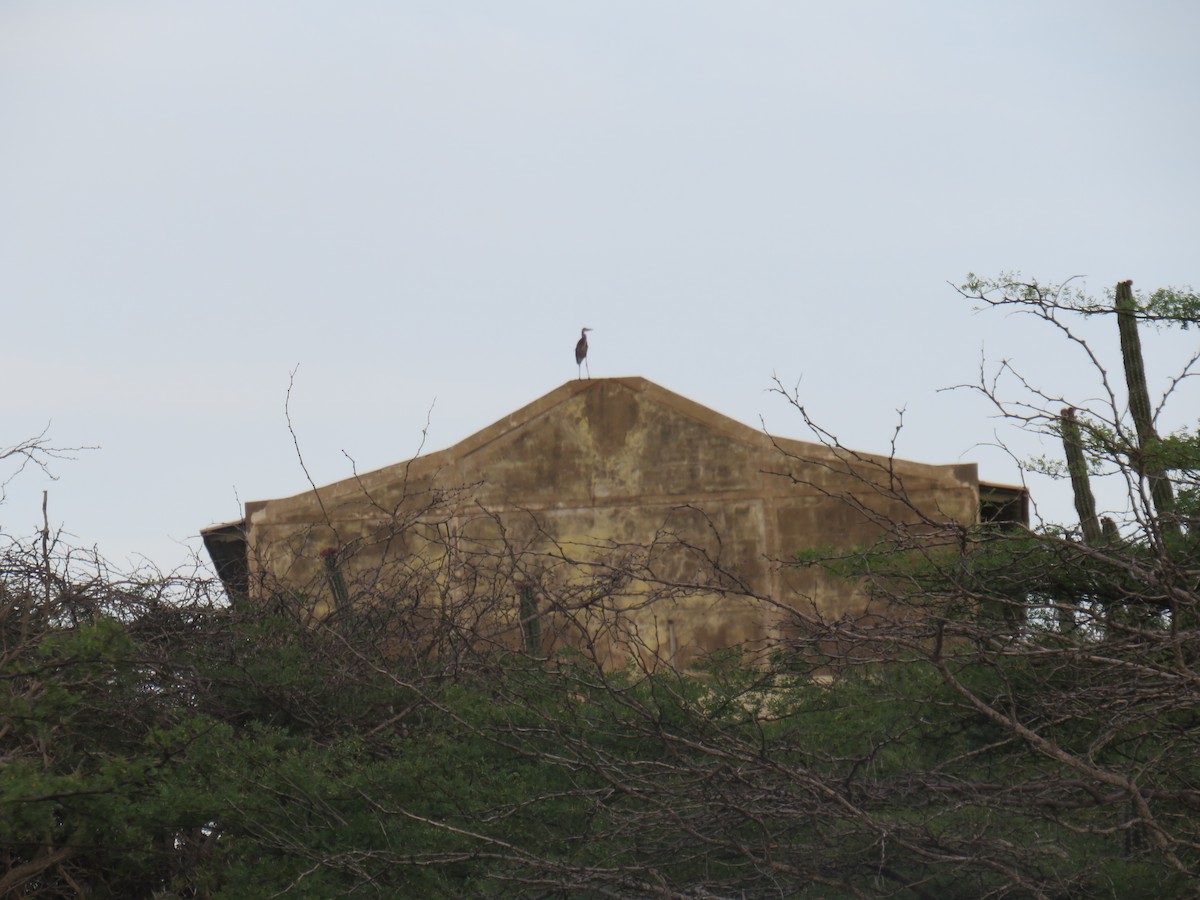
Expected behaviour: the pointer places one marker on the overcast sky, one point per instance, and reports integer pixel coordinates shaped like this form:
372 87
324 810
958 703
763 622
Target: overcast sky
419 204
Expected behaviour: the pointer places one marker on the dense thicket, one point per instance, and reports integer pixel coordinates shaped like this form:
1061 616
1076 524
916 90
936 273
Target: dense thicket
1017 716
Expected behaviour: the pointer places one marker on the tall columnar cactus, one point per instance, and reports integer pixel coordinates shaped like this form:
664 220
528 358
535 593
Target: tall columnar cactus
531 626
1085 501
1139 408
333 574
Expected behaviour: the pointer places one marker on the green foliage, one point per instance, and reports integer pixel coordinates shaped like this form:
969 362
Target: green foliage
267 758
1173 306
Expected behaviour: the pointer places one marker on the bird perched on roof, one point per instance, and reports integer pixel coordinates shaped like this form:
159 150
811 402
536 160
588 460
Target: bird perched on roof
581 352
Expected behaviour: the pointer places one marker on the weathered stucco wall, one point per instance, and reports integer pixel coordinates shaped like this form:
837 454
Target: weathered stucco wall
625 511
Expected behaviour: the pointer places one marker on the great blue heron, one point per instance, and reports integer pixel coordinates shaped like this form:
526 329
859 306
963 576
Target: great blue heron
581 352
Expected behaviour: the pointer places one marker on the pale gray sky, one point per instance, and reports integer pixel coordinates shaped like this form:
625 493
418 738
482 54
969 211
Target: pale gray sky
420 201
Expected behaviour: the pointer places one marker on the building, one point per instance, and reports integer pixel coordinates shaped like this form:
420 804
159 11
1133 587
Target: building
610 514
